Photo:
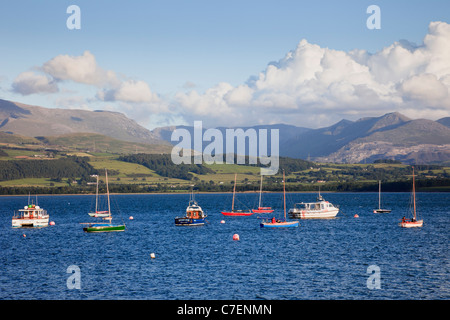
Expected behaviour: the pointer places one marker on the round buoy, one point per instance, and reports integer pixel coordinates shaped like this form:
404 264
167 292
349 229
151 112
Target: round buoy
152 255
356 215
52 223
131 218
222 221
235 236
24 235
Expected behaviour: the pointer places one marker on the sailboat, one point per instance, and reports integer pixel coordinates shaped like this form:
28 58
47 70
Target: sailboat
105 227
234 212
379 210
262 209
413 223
274 223
96 213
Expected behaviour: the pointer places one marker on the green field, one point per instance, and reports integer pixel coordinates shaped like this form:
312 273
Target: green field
141 178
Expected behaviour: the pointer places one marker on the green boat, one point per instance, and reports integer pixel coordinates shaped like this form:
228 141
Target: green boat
104 227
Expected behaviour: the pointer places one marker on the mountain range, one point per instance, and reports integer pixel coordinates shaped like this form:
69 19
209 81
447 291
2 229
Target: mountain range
391 136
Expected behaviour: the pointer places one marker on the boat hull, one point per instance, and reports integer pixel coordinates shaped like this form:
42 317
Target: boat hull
30 223
381 211
183 221
313 214
262 210
104 228
237 213
281 224
411 224
99 214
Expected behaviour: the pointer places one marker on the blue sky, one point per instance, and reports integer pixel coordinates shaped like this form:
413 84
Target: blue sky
177 47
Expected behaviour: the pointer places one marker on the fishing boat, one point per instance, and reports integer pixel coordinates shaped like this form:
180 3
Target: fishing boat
104 227
96 213
413 222
262 209
320 209
234 212
31 216
275 223
379 210
194 215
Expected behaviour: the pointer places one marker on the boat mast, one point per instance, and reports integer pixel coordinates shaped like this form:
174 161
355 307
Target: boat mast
107 192
260 192
414 195
284 195
96 194
379 194
234 191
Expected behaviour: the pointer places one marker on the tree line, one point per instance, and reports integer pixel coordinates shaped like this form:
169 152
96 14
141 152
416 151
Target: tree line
55 169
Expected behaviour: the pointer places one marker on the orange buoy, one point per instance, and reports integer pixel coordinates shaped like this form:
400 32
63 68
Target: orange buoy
222 221
52 223
235 236
356 215
131 218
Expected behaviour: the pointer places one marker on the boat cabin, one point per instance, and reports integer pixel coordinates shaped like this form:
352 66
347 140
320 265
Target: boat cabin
30 212
323 205
194 211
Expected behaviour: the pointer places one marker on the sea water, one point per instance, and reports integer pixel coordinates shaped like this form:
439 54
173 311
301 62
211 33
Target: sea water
321 259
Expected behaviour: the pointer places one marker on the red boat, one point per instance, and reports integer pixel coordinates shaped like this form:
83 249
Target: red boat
262 209
236 213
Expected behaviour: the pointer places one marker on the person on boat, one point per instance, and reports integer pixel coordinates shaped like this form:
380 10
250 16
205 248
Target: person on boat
403 219
273 220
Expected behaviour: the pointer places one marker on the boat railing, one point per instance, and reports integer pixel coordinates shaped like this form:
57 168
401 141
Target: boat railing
37 212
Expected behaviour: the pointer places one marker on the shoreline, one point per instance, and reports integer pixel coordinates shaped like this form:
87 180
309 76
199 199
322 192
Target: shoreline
228 192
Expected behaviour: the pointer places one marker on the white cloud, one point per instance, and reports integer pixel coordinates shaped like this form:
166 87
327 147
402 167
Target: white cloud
81 69
312 83
129 91
30 82
133 97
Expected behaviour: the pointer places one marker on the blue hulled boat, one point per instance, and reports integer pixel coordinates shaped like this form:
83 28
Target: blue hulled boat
275 223
194 215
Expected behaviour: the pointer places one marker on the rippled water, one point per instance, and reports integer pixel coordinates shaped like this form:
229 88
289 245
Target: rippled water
322 259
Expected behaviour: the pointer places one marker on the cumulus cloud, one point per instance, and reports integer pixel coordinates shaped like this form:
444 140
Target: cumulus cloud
129 91
81 69
313 86
133 97
30 82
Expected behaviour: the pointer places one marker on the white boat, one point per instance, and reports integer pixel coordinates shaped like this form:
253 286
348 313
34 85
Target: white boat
380 210
320 209
31 216
96 213
413 222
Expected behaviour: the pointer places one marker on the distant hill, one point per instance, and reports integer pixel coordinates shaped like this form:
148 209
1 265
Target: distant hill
285 132
391 136
34 121
94 142
444 121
